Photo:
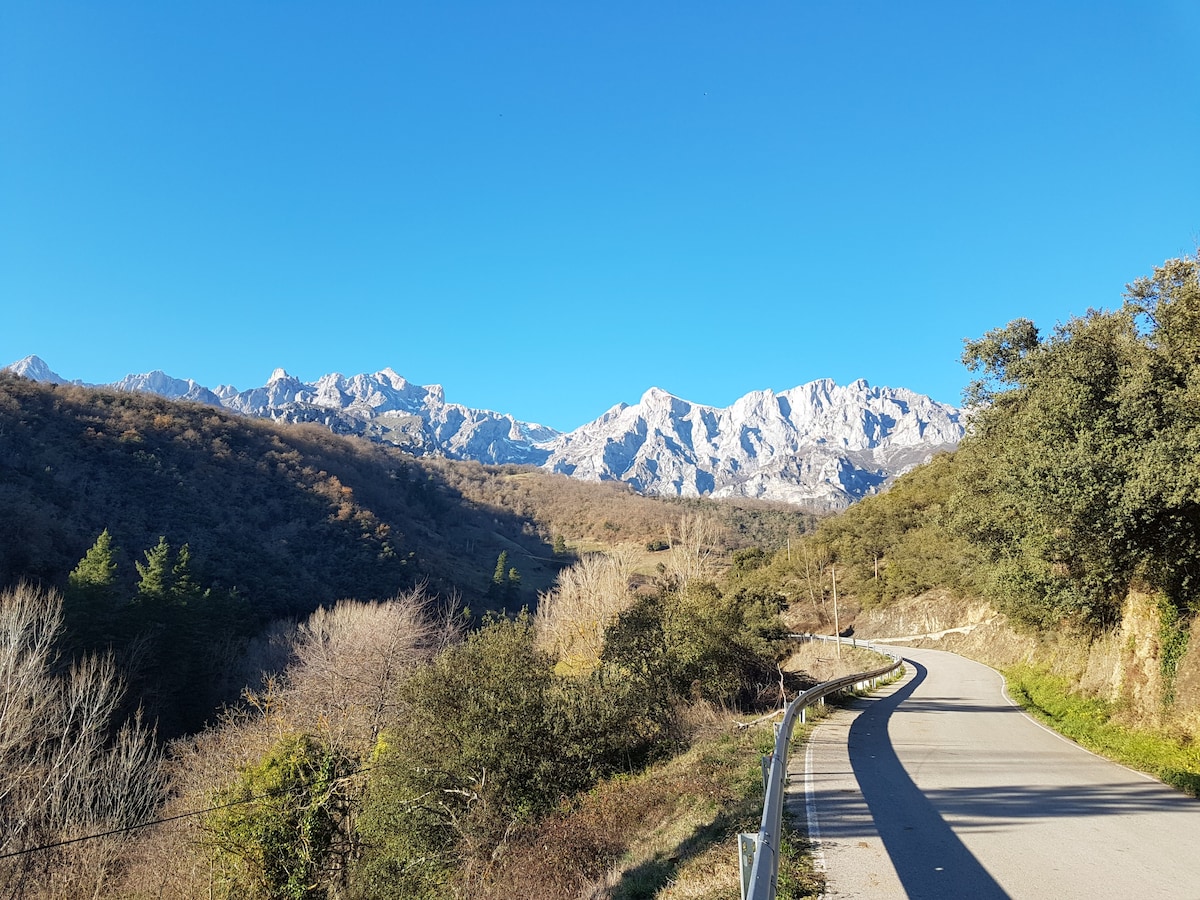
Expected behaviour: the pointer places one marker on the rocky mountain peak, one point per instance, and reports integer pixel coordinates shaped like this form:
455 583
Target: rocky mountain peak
35 369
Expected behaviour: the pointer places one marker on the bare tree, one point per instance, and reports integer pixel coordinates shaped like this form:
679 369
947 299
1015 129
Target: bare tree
693 550
340 685
588 597
349 658
64 774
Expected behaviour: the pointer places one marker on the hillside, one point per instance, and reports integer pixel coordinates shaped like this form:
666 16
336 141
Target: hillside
197 546
292 515
279 519
1063 532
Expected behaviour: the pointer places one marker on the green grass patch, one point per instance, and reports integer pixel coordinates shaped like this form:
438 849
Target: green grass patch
1089 722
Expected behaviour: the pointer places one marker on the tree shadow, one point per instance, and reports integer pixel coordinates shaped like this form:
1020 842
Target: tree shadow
645 880
929 858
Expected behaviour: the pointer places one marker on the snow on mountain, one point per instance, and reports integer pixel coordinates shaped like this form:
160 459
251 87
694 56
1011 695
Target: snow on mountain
158 382
819 445
35 369
385 407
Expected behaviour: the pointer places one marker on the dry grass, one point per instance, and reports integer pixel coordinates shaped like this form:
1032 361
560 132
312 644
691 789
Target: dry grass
819 661
669 833
631 837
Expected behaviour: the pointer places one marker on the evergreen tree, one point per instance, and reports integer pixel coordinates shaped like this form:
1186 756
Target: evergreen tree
496 590
183 588
91 593
154 574
96 574
512 586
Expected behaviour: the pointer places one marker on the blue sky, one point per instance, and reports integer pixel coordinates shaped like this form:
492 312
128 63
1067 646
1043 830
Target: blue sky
550 207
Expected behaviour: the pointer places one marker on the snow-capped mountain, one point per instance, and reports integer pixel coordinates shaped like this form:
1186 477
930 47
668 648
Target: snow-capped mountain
382 406
386 407
820 444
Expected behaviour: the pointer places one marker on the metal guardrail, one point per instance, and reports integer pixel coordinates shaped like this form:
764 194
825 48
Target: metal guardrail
758 854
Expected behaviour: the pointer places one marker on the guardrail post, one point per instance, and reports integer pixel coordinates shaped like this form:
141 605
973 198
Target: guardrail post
747 848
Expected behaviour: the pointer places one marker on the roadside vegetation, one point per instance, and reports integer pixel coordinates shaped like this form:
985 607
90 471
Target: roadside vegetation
402 748
1076 491
1089 721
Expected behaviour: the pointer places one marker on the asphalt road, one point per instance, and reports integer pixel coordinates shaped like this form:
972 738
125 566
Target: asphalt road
938 787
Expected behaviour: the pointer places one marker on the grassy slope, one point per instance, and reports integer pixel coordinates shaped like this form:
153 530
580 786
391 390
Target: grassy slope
669 832
1089 721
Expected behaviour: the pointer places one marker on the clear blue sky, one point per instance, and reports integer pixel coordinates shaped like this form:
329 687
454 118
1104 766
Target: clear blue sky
550 207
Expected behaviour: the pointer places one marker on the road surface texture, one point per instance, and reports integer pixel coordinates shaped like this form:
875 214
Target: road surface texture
938 787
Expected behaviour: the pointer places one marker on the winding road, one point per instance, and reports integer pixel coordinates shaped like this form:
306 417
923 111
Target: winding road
937 786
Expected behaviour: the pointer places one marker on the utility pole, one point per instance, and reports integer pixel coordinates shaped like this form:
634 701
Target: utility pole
837 626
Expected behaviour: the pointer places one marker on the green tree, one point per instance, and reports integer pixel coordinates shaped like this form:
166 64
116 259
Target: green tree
155 574
491 737
1081 476
184 589
91 595
475 754
497 587
695 643
281 826
96 573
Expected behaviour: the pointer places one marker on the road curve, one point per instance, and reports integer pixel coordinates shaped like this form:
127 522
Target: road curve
937 786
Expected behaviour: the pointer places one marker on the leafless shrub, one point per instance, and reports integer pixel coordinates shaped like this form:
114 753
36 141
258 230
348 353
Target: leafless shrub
348 659
340 685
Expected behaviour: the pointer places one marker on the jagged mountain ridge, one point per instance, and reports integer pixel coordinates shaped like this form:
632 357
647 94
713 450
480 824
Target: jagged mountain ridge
820 445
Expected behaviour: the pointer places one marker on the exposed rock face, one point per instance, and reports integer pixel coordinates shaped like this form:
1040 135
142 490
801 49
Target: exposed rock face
820 444
164 385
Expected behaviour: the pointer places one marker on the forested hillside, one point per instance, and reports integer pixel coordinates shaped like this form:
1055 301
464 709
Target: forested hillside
291 516
178 532
1079 479
288 517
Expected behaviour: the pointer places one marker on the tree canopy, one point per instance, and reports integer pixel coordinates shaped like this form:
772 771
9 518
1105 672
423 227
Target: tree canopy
1081 471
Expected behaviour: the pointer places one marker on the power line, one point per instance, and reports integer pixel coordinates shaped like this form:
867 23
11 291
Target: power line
196 812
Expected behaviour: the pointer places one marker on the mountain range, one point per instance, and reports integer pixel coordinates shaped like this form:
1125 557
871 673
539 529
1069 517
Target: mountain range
820 445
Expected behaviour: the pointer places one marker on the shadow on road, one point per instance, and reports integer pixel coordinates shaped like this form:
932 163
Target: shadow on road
928 856
963 786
